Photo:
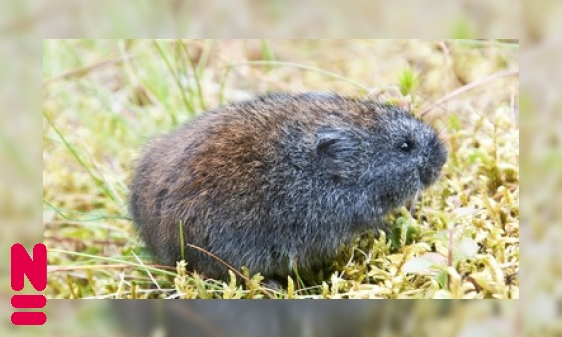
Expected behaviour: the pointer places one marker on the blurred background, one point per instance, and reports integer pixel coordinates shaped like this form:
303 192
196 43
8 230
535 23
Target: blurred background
24 22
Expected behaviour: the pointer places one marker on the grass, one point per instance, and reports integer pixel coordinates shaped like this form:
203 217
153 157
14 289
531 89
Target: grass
104 99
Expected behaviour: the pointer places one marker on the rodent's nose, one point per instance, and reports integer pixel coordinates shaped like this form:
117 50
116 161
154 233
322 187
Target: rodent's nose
430 167
428 175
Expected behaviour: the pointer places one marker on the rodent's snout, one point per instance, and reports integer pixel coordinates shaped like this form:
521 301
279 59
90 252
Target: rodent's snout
432 163
429 175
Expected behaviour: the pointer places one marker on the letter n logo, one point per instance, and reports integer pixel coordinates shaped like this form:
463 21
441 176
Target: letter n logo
36 271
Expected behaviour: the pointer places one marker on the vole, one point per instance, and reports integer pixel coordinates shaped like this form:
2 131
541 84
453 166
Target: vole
279 182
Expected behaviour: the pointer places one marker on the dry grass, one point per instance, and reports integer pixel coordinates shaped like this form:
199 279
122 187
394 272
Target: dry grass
103 99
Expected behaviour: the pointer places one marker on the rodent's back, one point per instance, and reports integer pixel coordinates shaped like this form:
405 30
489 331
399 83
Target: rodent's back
251 185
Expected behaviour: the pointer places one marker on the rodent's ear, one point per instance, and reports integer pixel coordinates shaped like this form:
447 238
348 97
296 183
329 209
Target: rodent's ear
338 151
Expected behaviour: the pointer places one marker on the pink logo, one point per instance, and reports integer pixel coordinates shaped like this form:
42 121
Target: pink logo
36 271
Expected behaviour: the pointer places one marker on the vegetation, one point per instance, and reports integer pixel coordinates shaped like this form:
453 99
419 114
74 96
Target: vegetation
104 99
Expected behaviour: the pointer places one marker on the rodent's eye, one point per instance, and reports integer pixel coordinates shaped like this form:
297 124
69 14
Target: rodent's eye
407 146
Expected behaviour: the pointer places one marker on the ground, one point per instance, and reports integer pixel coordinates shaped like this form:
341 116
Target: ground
104 99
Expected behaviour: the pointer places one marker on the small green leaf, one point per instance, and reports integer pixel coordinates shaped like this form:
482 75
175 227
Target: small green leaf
442 279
